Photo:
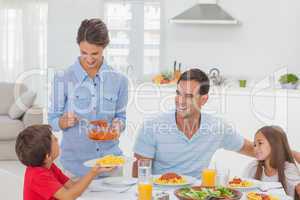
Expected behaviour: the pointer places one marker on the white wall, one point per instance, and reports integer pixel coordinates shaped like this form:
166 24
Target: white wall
267 39
64 20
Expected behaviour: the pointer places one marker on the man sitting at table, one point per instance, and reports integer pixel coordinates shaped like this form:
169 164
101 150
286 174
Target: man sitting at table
184 140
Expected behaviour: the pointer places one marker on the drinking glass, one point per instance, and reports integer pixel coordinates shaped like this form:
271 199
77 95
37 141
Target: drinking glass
144 179
223 175
208 177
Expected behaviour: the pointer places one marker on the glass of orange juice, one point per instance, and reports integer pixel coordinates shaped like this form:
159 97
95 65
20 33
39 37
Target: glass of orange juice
209 177
144 179
145 191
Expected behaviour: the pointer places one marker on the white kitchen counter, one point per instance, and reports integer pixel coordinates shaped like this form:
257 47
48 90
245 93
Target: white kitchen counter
229 89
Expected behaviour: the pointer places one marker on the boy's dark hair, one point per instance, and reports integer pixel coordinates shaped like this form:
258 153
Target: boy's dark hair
199 76
33 144
94 31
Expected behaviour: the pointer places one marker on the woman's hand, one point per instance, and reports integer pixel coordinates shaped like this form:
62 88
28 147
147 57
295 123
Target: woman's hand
69 119
116 126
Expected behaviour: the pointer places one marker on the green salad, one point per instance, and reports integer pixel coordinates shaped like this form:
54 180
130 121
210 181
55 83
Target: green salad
206 193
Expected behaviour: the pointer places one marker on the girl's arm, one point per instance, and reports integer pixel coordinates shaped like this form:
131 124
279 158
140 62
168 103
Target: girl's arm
292 174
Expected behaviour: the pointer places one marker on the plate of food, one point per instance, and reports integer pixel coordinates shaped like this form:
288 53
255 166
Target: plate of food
205 193
241 183
99 131
106 161
260 196
173 179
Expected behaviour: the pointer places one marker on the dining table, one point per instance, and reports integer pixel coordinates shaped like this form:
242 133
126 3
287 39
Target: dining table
100 191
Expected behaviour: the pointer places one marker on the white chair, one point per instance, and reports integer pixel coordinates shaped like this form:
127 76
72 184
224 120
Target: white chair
11 186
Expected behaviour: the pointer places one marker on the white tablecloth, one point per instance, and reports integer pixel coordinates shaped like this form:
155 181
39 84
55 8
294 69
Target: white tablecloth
130 193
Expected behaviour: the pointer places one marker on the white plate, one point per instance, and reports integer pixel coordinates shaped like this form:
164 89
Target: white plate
92 163
189 180
255 184
119 181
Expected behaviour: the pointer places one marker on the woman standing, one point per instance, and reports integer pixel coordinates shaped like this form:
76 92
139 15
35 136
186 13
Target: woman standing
88 89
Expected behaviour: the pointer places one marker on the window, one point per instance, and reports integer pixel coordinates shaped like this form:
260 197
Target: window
11 41
134 27
23 37
23 43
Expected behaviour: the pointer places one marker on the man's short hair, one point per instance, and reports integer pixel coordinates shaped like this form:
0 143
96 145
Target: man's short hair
196 74
33 144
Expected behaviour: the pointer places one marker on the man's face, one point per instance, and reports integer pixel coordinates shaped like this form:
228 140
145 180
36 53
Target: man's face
188 100
90 54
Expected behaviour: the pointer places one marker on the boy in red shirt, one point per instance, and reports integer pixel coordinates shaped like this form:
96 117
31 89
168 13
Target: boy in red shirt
37 148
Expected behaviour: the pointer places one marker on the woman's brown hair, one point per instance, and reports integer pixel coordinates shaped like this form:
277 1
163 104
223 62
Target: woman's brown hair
280 152
94 31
